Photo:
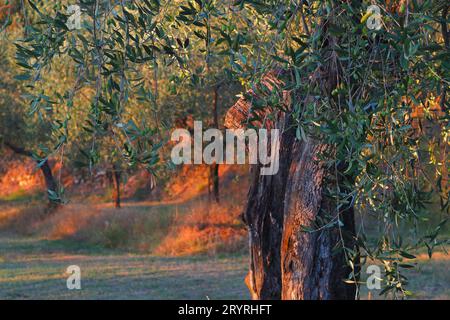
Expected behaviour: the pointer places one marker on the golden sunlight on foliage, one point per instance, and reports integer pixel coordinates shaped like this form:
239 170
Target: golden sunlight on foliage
20 177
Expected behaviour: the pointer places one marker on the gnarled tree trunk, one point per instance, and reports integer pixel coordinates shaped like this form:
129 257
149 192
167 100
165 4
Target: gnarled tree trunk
287 262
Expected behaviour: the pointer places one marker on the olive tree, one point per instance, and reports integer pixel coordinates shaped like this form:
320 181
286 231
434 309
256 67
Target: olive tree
339 78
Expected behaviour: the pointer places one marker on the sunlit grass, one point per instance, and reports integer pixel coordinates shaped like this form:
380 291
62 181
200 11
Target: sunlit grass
34 269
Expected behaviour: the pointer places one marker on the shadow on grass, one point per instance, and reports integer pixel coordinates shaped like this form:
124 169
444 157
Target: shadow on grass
33 274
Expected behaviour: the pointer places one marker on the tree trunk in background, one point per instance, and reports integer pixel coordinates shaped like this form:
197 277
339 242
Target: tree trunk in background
116 174
214 168
444 161
48 176
443 104
214 174
46 170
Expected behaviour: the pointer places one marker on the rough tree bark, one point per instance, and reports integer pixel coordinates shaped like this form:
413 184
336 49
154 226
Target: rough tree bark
314 265
264 217
46 170
286 261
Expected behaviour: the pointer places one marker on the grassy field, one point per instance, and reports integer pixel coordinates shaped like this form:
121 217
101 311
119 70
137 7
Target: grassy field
115 265
32 268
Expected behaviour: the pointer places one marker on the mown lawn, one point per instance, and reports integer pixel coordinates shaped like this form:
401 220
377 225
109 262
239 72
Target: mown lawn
35 269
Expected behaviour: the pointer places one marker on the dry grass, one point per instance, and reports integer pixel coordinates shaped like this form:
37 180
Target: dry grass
36 219
439 256
171 229
135 228
22 218
207 228
138 228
